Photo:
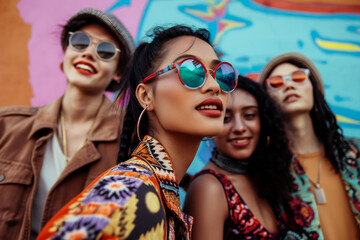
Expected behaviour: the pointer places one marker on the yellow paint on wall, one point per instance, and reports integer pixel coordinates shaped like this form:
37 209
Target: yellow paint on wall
337 46
346 120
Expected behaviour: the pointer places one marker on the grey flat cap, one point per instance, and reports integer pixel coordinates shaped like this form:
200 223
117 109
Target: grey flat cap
106 19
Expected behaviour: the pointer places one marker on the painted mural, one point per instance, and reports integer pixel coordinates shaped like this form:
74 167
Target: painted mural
246 33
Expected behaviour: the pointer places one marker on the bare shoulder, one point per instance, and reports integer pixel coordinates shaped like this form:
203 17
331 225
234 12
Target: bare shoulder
206 184
205 191
206 202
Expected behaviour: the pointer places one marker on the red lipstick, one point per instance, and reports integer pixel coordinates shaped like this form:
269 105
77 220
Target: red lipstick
85 68
211 107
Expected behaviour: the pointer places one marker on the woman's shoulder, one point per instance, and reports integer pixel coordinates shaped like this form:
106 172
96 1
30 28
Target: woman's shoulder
354 141
124 197
353 151
206 188
133 170
208 180
122 181
206 191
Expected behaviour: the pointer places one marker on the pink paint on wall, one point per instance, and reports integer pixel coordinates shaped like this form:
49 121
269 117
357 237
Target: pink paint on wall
46 18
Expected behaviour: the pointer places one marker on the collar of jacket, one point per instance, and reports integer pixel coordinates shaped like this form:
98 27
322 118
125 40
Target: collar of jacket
105 128
151 151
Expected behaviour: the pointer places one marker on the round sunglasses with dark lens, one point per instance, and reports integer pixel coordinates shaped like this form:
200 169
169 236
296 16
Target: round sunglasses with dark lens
104 50
192 74
278 81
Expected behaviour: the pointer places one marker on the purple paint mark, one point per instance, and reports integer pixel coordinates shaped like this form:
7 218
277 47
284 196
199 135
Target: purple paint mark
46 18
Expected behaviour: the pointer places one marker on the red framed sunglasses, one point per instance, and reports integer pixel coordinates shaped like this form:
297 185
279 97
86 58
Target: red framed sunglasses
192 74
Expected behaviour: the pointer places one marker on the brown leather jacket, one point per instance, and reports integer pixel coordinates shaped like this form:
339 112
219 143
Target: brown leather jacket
24 132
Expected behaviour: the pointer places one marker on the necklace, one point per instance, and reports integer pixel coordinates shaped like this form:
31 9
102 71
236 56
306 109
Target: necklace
63 134
229 164
318 191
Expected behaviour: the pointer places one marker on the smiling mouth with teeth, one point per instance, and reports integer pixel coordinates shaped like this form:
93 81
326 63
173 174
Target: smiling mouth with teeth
210 107
85 67
240 140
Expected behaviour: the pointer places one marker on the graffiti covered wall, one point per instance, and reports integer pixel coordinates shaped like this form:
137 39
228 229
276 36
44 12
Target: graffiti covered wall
247 33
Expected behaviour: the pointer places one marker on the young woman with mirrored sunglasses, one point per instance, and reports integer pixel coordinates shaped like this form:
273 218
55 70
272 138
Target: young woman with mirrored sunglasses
163 127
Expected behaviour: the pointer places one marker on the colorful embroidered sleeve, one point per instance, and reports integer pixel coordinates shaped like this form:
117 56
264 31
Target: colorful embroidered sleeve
352 177
123 203
302 202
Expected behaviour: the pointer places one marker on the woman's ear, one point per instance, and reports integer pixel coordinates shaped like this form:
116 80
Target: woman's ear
117 77
145 96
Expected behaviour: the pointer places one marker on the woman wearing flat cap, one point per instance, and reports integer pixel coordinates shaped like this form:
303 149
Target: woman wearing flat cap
325 167
50 154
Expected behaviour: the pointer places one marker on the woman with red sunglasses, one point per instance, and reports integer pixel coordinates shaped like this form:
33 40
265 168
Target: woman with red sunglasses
326 167
176 88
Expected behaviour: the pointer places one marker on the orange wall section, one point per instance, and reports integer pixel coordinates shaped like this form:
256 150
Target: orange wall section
15 88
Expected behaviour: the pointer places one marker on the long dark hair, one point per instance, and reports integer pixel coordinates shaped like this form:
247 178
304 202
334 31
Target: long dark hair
143 63
324 121
326 128
269 164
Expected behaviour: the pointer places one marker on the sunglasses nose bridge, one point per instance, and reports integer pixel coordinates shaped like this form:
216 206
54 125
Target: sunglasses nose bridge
91 48
210 80
287 79
93 45
210 72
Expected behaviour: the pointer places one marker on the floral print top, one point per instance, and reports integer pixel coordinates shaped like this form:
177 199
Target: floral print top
242 224
302 201
137 199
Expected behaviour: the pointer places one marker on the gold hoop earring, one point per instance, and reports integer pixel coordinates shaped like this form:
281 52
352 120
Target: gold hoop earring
267 141
208 145
138 123
208 139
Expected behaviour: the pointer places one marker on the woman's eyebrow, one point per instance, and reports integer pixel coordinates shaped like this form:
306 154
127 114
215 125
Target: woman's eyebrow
213 62
184 56
249 107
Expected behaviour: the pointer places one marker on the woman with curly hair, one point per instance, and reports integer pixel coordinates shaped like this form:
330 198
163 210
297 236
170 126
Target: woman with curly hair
239 194
325 167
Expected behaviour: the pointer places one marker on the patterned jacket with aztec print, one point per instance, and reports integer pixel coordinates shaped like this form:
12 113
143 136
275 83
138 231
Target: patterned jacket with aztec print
137 199
303 201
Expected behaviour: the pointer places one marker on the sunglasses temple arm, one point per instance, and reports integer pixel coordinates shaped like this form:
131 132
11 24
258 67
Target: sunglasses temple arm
237 73
161 71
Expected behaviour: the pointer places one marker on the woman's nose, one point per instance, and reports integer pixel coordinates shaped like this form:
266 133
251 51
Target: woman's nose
90 51
210 85
239 125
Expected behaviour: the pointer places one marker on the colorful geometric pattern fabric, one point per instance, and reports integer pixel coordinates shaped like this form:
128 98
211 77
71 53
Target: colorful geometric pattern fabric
302 201
137 199
242 223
